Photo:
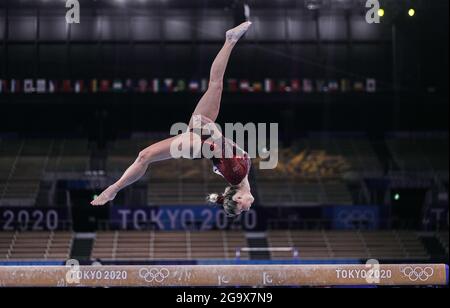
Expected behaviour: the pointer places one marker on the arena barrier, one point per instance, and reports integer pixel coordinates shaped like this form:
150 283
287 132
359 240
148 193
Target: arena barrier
224 275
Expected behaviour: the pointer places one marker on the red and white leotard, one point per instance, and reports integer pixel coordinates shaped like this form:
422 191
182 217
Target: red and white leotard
233 169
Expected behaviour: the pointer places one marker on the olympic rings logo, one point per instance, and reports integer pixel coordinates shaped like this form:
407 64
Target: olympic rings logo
418 273
154 274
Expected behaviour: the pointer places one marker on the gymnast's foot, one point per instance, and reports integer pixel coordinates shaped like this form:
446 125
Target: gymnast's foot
108 195
235 34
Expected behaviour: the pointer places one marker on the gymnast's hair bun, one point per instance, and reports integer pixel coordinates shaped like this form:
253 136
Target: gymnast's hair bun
215 198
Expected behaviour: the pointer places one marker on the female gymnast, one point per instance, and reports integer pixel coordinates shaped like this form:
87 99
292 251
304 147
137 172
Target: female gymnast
234 168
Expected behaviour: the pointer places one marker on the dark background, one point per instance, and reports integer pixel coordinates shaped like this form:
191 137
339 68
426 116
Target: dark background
179 39
372 164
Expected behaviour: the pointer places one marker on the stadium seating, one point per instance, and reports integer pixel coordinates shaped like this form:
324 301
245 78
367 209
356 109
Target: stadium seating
310 172
443 238
69 156
420 154
35 246
217 245
149 245
314 171
326 245
24 163
310 245
182 182
123 152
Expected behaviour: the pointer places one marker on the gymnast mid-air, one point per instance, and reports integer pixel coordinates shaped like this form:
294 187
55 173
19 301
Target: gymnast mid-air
234 168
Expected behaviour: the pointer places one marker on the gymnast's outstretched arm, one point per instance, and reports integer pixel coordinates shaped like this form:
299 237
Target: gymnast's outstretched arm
156 152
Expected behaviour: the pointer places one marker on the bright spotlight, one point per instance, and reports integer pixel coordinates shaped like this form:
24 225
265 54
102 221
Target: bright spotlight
411 12
381 12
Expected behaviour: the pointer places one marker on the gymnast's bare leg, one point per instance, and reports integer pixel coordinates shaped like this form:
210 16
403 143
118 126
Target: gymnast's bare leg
208 106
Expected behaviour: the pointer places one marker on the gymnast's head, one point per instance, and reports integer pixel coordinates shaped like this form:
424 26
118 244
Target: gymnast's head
234 200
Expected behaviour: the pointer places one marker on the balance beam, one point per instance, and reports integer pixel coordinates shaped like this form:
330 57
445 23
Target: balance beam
224 275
